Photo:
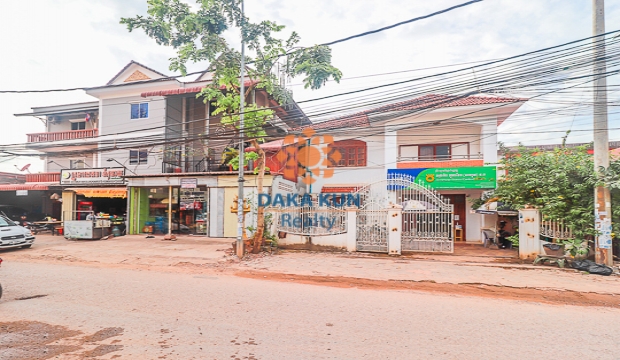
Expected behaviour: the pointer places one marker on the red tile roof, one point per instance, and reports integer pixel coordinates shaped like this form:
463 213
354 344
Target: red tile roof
444 101
350 121
195 89
27 186
432 101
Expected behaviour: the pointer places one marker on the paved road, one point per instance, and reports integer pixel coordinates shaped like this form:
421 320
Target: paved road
215 316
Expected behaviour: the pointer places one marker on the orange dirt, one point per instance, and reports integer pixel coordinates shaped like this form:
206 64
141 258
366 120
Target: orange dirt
555 297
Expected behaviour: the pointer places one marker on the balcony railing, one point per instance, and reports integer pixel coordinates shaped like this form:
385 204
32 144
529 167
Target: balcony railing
62 135
199 166
442 157
43 177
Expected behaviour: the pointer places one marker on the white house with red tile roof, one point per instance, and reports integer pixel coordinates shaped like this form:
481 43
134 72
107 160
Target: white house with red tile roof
421 137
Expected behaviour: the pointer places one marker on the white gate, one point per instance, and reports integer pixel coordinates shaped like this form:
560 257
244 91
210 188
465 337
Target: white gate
427 217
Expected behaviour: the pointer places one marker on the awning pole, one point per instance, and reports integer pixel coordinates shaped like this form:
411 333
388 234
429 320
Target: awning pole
170 212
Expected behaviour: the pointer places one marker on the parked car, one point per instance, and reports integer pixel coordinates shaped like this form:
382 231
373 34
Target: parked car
13 235
15 213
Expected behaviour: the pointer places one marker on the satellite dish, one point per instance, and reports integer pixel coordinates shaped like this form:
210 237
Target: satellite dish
24 168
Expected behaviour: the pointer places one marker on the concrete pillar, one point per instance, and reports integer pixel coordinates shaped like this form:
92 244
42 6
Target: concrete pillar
391 149
351 229
488 141
529 233
395 228
68 205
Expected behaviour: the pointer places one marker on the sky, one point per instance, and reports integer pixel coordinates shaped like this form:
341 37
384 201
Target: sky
49 44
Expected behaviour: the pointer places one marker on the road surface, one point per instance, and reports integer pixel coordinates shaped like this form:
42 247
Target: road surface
52 310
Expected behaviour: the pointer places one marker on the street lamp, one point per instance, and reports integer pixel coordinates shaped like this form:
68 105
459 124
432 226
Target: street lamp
116 161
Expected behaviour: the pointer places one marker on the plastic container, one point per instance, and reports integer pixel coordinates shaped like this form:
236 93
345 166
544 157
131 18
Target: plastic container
553 249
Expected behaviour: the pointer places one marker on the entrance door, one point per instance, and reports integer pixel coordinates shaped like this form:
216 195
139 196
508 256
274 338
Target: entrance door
459 213
193 212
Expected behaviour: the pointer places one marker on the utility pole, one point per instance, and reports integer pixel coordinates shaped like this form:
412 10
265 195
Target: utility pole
602 197
240 202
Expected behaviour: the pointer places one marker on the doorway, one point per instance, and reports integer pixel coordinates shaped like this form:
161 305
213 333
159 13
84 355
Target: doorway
459 213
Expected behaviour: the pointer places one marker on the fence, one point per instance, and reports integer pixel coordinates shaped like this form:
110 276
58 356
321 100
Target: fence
555 230
310 221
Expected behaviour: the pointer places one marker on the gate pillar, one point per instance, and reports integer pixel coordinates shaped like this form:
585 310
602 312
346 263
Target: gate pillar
395 228
351 229
529 233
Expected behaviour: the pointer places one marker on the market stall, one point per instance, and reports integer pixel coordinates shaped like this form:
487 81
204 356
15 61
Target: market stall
91 228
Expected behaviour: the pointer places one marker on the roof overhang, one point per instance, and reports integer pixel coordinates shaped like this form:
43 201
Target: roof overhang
62 109
27 186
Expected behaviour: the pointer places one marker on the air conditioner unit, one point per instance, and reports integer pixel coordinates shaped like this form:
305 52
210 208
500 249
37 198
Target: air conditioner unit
282 186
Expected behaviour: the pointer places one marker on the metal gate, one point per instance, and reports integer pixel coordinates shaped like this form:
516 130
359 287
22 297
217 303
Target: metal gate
427 216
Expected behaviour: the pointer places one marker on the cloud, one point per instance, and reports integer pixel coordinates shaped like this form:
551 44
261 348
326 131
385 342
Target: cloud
72 43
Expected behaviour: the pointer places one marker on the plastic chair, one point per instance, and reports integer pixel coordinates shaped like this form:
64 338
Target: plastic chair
489 239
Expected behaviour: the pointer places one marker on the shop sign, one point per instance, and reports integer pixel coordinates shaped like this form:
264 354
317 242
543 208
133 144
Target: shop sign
21 192
189 183
103 176
475 177
192 200
78 229
102 192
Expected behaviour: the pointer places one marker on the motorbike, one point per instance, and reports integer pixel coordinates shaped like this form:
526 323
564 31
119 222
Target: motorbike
36 228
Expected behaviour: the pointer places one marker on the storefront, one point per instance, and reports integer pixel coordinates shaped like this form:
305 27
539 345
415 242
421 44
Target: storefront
101 191
192 203
459 186
36 200
151 205
180 202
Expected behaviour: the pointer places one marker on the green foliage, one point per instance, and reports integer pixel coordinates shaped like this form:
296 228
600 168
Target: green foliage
560 183
576 246
514 239
199 34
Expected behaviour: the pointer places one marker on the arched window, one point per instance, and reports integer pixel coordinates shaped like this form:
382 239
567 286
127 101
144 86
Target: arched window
352 153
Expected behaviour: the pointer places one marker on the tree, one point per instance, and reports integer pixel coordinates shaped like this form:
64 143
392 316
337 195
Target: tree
198 35
560 183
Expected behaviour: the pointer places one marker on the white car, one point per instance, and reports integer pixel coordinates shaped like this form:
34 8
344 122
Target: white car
13 235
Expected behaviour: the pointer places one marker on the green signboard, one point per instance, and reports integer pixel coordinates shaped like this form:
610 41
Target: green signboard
480 177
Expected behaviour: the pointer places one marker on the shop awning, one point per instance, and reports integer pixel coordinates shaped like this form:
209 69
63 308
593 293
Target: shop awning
27 186
497 208
341 188
101 192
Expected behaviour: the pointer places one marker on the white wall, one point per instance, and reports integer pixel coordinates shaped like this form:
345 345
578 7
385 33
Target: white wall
333 241
461 133
117 120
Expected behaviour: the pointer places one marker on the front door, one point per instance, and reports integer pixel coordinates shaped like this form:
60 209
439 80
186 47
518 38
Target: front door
459 213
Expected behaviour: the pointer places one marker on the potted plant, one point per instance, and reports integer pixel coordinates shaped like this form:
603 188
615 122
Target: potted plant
577 248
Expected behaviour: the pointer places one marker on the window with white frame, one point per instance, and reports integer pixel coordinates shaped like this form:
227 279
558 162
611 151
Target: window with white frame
138 157
78 125
139 111
76 164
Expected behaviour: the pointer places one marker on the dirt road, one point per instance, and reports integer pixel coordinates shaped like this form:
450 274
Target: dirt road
187 316
190 302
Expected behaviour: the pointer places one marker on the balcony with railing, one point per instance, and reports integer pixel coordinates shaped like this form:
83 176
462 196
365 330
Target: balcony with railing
199 166
434 161
62 135
43 177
